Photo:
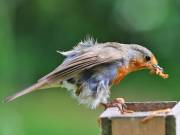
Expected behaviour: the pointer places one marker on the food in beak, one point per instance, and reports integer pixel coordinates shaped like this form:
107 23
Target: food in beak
159 71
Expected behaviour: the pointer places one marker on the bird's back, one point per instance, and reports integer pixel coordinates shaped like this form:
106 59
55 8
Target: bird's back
88 70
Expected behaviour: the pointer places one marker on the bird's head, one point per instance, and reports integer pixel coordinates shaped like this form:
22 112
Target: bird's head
142 58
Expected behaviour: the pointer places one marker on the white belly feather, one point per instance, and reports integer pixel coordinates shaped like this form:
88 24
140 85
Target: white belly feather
86 95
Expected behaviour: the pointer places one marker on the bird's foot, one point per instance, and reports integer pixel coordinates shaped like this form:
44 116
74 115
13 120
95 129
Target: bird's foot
154 113
120 104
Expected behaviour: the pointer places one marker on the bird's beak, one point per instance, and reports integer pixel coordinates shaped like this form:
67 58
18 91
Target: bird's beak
156 69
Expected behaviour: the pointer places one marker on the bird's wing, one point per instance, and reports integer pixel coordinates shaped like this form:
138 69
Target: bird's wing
87 60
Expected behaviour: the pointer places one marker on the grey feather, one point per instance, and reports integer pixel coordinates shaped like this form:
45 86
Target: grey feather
85 57
36 86
89 58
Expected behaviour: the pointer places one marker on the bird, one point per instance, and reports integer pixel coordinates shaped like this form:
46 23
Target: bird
90 69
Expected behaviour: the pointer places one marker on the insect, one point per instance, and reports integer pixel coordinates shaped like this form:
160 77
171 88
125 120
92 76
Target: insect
91 68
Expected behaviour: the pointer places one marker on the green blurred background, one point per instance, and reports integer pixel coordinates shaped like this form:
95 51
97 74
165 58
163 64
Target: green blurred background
32 30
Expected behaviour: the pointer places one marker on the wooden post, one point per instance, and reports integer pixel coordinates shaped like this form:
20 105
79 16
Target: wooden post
149 118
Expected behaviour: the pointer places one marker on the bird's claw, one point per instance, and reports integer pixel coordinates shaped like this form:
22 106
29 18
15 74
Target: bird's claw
120 104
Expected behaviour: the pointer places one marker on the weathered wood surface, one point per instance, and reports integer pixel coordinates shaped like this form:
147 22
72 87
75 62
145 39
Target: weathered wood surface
115 123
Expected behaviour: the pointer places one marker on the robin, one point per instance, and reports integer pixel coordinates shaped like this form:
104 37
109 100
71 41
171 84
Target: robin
90 69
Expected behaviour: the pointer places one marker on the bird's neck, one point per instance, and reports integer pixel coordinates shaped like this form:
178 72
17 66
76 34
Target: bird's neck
135 65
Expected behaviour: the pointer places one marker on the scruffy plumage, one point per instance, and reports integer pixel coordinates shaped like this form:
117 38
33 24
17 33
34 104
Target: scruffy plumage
91 68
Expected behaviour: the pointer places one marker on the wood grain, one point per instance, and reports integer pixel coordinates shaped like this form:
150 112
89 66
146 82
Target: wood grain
134 126
115 123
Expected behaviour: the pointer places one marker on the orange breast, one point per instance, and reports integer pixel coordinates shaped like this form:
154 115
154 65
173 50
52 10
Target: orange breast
122 72
134 65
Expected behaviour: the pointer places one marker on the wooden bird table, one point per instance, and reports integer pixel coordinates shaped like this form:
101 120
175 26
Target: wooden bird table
148 118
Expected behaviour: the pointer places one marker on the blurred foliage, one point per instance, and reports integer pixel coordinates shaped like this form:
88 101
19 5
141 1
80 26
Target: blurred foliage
32 30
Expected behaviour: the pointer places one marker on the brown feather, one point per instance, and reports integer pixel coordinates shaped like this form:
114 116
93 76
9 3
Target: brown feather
26 91
87 59
82 62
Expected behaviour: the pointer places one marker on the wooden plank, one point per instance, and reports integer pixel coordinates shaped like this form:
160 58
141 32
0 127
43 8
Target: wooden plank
176 113
106 126
170 125
150 106
134 126
131 124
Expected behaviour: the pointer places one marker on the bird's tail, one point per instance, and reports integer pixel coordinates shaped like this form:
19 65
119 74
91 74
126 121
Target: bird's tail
35 86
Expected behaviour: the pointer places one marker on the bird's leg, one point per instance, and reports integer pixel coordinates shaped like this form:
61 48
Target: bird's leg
120 104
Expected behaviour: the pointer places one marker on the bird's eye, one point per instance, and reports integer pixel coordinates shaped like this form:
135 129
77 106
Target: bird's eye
147 58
